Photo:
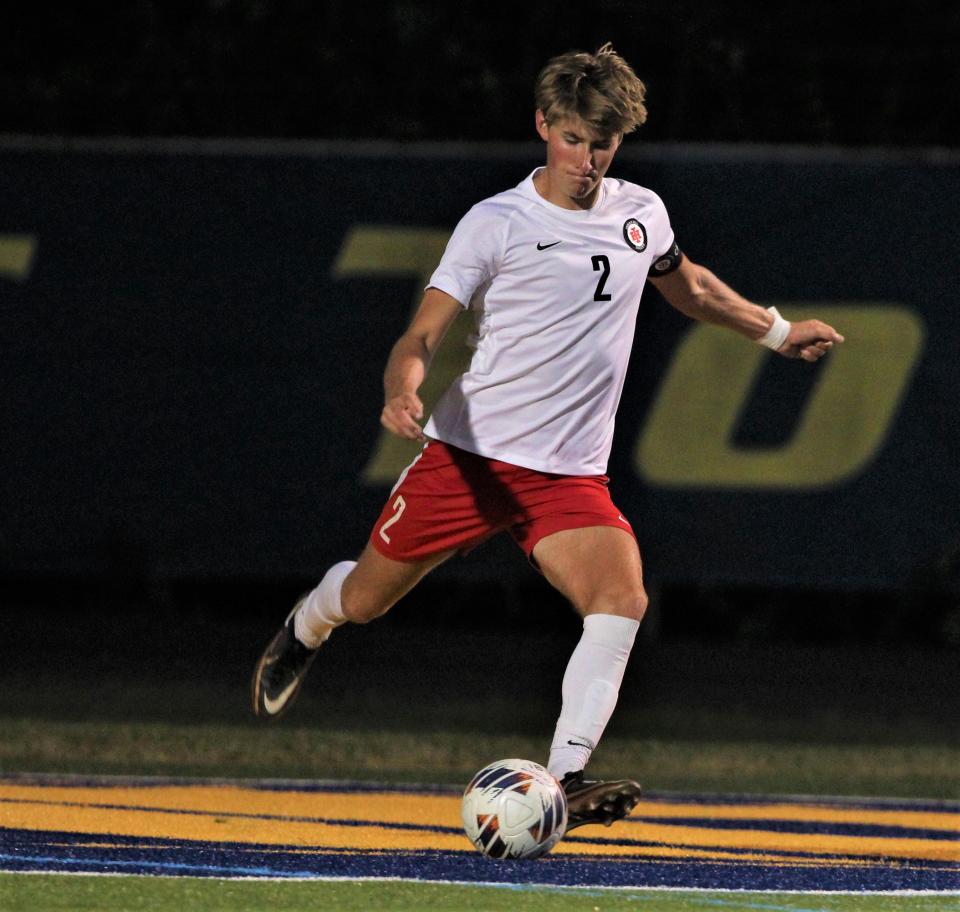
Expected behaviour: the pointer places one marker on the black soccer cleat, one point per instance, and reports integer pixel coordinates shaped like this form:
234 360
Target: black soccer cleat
597 801
280 671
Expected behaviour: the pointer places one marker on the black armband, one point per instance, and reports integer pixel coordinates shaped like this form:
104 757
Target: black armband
667 263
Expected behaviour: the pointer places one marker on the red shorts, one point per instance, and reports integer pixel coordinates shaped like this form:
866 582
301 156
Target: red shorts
449 498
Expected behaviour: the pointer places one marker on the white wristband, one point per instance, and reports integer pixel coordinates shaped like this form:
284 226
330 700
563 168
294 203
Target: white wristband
777 334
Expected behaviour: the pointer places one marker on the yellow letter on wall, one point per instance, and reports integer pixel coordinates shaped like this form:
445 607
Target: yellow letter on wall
376 250
16 255
688 437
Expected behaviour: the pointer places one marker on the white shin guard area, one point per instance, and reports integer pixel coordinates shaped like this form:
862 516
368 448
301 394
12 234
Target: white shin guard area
321 610
591 685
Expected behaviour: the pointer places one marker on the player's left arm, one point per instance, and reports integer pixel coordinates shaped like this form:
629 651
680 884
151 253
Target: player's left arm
696 292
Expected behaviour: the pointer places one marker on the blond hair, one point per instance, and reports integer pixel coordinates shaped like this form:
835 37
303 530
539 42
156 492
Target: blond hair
600 89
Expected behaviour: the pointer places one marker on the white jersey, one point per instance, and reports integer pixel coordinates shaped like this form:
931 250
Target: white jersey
556 293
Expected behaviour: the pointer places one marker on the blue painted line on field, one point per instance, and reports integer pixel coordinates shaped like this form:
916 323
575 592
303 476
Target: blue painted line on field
731 850
729 868
43 838
824 827
29 850
935 806
140 866
707 823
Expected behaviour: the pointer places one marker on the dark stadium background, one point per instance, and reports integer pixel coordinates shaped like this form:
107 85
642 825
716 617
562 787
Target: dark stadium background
840 79
852 74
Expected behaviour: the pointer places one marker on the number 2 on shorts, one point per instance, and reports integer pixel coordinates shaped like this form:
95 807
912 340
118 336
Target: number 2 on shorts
399 505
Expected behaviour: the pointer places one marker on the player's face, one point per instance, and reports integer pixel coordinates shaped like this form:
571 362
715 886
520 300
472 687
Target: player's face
577 159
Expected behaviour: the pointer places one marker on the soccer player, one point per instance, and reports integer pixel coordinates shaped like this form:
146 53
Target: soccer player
553 270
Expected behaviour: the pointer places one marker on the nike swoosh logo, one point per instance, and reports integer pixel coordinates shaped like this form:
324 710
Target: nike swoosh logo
580 744
545 246
274 706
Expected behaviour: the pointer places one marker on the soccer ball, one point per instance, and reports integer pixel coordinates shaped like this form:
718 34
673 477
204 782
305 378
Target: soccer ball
514 809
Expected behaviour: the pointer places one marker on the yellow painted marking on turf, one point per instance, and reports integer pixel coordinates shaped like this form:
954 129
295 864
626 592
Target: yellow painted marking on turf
157 812
929 820
391 807
160 818
443 810
758 840
169 824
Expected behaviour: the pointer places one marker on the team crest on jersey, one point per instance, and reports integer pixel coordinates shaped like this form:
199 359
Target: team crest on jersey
635 234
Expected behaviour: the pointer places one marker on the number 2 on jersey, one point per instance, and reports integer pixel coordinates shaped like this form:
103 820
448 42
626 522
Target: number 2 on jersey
601 262
399 505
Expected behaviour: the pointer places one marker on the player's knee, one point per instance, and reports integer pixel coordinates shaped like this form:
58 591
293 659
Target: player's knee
634 604
642 601
629 603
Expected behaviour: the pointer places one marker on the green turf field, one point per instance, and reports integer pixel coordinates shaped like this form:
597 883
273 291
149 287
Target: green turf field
31 893
693 717
450 756
417 704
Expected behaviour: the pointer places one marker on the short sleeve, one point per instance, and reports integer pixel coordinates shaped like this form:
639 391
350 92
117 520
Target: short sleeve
667 254
662 239
472 255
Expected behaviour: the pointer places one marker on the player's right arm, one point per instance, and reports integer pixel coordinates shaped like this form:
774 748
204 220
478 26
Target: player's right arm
409 362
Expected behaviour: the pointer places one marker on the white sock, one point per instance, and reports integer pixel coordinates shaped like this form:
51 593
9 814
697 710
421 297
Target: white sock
591 685
321 610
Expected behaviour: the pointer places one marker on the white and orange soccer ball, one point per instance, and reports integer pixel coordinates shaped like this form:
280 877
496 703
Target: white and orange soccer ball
514 809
